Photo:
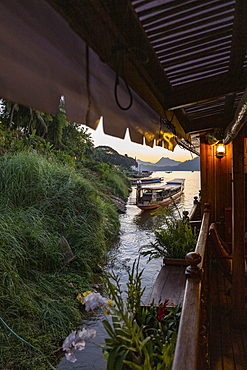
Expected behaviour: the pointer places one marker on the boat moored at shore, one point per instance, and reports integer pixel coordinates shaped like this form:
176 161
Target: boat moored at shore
152 197
147 180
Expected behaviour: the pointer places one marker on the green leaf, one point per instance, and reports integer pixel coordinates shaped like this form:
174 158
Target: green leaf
120 360
129 340
133 366
110 342
108 328
142 344
111 359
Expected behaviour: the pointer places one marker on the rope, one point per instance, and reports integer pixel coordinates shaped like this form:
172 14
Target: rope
119 51
23 340
120 63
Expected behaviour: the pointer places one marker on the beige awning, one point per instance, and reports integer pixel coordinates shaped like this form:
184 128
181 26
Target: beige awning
42 59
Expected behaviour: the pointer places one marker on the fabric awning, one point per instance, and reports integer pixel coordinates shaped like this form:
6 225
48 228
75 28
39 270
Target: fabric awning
42 59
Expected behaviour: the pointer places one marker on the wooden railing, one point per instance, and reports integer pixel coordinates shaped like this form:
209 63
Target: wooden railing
188 348
194 216
195 212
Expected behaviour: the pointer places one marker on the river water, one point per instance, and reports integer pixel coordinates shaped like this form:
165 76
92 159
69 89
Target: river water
136 231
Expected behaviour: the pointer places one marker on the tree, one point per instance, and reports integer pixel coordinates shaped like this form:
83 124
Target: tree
106 154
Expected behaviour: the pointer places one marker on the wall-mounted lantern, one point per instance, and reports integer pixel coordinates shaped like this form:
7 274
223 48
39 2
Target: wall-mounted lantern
220 150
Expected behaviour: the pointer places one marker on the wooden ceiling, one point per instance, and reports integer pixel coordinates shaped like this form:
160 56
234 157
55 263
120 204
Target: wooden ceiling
185 56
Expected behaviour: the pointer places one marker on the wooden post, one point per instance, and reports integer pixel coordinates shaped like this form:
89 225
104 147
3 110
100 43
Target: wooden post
238 230
186 353
222 168
207 175
216 186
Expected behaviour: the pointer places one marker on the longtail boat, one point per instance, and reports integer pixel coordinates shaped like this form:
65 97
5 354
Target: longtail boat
147 180
152 197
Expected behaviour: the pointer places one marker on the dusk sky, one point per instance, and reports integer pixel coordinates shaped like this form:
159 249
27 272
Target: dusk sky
142 152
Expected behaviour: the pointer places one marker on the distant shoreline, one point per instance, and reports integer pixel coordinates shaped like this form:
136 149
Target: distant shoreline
166 164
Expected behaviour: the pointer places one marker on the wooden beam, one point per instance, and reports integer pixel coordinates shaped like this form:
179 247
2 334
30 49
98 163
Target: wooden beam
229 108
238 231
206 123
210 89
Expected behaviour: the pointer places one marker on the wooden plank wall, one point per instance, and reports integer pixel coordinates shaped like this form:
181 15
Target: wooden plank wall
238 231
216 187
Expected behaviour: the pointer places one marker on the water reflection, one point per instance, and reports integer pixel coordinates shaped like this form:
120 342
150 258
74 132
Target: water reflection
145 220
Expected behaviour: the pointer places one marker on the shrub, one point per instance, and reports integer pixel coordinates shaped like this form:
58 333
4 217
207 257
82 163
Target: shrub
173 240
139 337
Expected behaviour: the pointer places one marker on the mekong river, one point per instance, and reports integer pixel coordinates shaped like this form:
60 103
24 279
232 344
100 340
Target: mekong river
136 231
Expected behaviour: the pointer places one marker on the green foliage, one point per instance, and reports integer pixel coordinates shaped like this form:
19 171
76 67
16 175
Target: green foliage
42 201
113 180
77 142
137 338
56 126
24 128
50 190
118 184
108 155
103 169
173 240
23 121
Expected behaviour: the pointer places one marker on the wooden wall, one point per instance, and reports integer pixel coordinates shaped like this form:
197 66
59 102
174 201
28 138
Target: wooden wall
223 186
216 176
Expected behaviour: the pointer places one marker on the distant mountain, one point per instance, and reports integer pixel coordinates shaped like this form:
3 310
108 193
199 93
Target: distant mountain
167 162
190 165
162 162
140 163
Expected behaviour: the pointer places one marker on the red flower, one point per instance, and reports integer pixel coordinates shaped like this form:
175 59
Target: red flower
161 310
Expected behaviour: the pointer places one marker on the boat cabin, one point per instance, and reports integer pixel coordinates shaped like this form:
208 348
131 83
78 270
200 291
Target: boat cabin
152 197
172 73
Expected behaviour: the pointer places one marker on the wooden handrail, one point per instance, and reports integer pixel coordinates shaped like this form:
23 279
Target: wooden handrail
186 352
195 210
203 234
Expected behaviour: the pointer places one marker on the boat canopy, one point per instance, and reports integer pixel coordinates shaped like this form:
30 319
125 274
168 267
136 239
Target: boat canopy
168 185
176 182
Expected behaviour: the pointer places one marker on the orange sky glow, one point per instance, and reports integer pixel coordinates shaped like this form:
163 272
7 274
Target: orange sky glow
138 151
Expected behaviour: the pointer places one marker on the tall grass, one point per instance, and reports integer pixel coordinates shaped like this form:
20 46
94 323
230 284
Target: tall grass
119 184
42 201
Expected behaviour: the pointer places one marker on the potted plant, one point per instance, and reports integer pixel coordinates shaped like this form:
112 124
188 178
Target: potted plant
173 240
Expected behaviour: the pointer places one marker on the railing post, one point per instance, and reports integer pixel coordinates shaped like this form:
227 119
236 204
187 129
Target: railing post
185 216
188 347
195 212
187 343
193 259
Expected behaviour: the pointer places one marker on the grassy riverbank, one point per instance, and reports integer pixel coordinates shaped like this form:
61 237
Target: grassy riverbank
50 213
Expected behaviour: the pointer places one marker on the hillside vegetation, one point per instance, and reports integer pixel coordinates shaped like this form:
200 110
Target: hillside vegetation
56 221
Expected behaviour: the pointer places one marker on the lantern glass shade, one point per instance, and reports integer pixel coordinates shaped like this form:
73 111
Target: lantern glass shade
220 150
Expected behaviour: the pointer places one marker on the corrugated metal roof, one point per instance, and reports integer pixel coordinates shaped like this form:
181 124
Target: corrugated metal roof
198 42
